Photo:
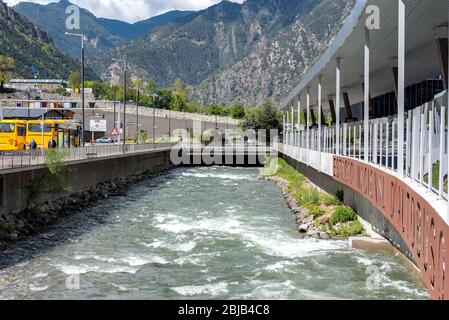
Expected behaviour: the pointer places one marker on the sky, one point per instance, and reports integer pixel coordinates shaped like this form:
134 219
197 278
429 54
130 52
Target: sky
133 10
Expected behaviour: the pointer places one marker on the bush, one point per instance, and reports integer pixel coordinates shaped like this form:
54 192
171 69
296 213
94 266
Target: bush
330 200
314 210
343 214
354 228
309 196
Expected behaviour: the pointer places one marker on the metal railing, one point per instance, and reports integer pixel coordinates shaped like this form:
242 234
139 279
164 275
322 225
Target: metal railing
21 159
425 144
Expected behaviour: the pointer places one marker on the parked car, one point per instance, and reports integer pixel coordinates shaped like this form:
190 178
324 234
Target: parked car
104 140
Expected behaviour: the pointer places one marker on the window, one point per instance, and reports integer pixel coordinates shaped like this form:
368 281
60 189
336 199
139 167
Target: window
21 131
38 127
7 127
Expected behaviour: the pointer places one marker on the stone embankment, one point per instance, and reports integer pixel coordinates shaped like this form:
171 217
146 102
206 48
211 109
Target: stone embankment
16 226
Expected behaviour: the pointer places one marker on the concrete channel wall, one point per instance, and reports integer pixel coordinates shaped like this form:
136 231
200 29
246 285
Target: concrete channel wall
353 199
79 176
396 210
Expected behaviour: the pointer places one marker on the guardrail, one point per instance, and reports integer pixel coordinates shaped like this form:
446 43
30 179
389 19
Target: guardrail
425 144
20 159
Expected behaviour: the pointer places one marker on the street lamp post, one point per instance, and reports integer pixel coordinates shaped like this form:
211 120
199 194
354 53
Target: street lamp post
82 80
137 111
154 118
125 70
124 106
115 106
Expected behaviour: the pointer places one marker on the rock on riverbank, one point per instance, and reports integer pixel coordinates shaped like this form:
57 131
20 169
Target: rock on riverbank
304 221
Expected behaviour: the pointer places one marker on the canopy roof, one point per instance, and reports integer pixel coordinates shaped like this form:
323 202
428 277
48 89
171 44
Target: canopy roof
422 57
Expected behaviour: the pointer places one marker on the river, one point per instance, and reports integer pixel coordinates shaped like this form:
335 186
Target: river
199 233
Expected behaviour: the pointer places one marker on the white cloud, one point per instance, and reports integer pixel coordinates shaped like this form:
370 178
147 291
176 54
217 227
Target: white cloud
134 10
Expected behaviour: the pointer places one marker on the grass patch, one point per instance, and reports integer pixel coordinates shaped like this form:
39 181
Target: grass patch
327 210
309 197
315 211
280 168
343 214
330 200
351 229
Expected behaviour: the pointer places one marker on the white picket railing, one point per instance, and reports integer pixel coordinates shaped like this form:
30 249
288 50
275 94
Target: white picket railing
425 145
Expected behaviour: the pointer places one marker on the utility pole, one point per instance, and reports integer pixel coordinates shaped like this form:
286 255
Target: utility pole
125 71
154 118
124 106
82 86
82 81
137 111
115 106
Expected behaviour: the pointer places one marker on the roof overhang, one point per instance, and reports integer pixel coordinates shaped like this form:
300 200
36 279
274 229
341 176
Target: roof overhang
424 19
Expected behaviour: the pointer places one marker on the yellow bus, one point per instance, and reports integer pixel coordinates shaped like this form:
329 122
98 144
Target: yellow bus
65 133
12 135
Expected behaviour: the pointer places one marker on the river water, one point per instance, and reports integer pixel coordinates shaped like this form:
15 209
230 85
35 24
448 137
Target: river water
200 233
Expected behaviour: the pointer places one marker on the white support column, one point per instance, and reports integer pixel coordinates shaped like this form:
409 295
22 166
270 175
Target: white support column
366 97
381 150
337 104
441 172
360 142
299 126
421 144
293 132
430 146
308 127
319 118
284 129
288 129
375 139
387 145
447 216
353 139
401 86
408 151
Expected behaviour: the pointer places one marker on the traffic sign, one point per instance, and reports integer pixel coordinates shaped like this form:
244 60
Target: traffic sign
114 132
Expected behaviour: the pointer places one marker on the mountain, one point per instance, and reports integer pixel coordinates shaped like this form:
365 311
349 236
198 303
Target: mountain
29 45
233 52
102 34
278 61
132 31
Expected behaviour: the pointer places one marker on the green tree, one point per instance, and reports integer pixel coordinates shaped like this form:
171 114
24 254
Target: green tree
215 110
180 96
138 84
151 88
264 117
6 69
164 100
237 111
75 79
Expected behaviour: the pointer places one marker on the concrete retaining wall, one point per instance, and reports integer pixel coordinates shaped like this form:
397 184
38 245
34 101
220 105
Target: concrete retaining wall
353 199
79 176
